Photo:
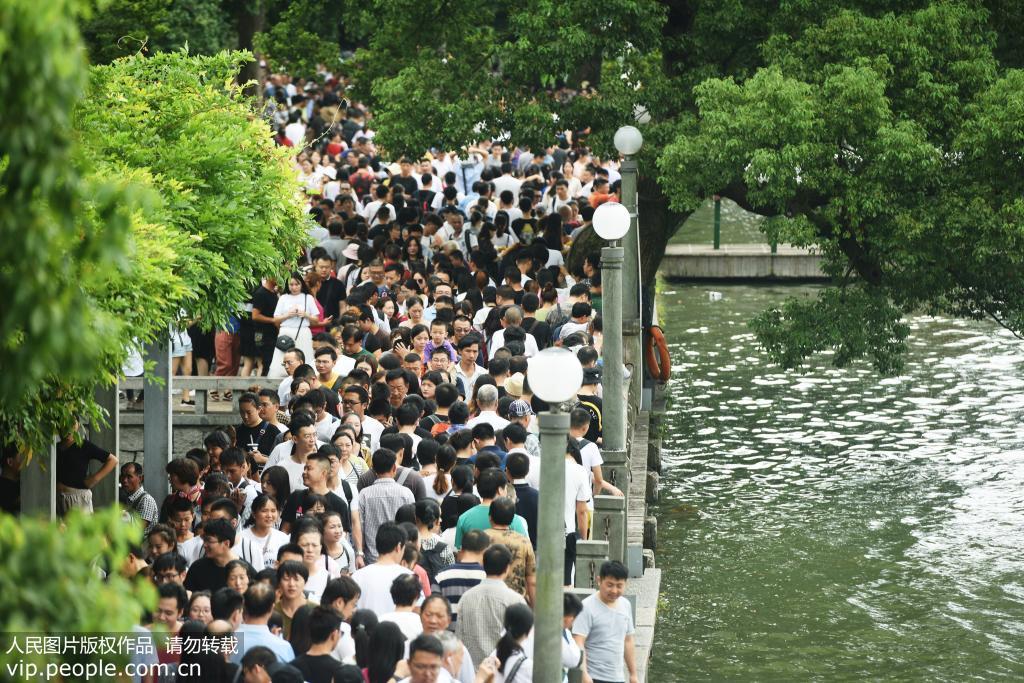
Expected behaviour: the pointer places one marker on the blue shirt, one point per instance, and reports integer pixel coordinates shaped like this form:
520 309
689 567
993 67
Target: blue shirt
252 635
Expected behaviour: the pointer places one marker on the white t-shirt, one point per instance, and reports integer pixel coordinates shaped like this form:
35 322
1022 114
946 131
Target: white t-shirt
428 482
375 586
372 428
577 489
498 340
316 583
326 427
268 545
371 209
554 259
409 622
591 456
289 302
491 418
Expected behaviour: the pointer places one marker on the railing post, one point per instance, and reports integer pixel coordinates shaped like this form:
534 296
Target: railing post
109 439
200 397
590 555
156 421
610 525
718 222
616 469
39 484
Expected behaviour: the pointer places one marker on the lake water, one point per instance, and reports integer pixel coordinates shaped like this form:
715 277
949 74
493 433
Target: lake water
826 524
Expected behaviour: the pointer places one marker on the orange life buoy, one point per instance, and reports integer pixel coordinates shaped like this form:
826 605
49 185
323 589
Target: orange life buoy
659 366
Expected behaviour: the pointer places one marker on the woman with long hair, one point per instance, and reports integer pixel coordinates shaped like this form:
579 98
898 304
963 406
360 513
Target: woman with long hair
277 485
514 666
386 660
438 485
296 311
412 252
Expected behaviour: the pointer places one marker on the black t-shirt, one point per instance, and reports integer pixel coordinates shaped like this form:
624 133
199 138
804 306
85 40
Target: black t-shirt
10 496
266 302
330 295
540 330
594 406
73 462
262 437
325 669
334 503
206 575
408 184
376 341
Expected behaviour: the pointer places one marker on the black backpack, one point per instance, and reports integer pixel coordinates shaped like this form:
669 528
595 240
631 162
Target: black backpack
433 560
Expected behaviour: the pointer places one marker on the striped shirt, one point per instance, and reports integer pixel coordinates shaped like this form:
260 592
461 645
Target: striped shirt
454 581
378 503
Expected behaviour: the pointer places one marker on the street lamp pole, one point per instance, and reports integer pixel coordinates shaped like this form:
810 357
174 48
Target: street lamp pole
628 141
611 222
547 646
555 375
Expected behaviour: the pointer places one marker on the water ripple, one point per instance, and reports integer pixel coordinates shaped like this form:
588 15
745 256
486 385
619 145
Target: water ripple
834 525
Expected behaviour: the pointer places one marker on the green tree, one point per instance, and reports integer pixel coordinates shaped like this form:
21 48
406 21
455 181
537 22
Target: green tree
118 28
58 581
873 129
48 253
159 192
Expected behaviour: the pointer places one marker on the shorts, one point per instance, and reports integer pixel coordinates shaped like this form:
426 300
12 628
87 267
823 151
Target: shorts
181 345
74 499
202 343
247 339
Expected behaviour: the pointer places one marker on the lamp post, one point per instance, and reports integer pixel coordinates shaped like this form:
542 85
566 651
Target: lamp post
611 223
628 140
555 376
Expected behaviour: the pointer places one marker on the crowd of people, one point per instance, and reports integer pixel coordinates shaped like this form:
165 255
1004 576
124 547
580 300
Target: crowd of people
374 517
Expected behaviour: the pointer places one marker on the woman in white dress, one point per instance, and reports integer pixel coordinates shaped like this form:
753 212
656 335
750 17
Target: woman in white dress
294 314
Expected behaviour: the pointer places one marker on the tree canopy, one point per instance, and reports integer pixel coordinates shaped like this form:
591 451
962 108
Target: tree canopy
148 195
886 134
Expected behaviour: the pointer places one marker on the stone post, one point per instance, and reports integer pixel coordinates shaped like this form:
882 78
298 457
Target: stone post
590 555
156 435
610 525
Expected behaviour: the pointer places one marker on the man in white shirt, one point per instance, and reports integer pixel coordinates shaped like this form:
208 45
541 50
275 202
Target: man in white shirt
290 360
513 317
375 579
468 370
487 401
506 181
383 198
356 400
291 455
577 494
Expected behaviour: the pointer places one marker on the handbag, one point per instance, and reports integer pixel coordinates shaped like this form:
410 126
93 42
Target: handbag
286 343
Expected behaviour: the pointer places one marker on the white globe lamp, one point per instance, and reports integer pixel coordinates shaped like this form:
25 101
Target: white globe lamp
611 221
555 375
628 140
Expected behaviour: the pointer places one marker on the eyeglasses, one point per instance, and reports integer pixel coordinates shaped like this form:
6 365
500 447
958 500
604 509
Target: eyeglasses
350 402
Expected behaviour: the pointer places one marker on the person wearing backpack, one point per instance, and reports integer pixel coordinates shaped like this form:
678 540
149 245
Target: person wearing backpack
435 554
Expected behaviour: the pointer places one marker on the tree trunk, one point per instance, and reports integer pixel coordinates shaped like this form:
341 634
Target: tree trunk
250 18
658 223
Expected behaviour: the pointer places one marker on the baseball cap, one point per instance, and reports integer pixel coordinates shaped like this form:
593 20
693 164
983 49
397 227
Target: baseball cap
519 408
